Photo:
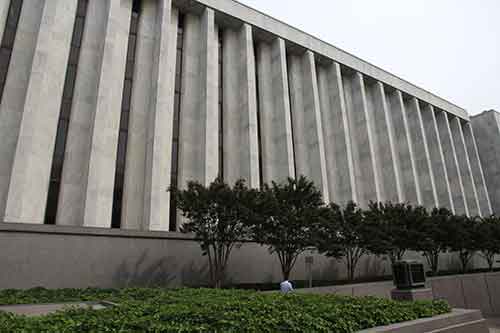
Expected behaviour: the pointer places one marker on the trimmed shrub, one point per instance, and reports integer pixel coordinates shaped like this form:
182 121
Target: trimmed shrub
204 310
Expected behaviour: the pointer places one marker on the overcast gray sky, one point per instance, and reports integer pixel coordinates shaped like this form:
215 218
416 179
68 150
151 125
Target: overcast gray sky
449 47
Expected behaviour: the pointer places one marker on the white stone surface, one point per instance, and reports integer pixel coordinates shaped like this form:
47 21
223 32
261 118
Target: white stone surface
14 94
71 204
391 169
106 119
199 115
4 11
443 189
146 201
465 167
31 167
160 126
240 143
138 121
487 131
383 159
452 166
421 154
477 170
358 132
363 140
278 28
274 112
404 147
306 121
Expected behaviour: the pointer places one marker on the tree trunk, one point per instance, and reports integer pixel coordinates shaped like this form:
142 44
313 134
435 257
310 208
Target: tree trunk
464 259
286 272
351 272
433 260
491 261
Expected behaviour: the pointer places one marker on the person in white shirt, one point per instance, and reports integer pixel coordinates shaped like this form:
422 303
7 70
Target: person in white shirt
286 287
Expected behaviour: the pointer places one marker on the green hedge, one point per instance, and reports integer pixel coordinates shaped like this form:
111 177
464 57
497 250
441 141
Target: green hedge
205 310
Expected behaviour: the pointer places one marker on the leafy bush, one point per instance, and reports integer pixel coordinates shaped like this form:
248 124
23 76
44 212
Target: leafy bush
203 310
219 216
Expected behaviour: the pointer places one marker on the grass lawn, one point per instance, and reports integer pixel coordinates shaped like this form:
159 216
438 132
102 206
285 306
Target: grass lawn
206 310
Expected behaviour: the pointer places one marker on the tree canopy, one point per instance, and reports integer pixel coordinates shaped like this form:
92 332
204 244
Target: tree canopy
219 216
289 213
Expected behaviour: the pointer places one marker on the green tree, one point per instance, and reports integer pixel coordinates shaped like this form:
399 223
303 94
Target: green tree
489 239
393 228
433 235
344 235
289 214
219 216
463 238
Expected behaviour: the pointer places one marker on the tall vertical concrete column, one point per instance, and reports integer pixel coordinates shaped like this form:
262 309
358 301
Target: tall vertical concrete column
71 204
363 140
106 120
337 136
160 122
274 108
390 174
14 94
135 161
465 167
421 154
191 138
4 11
452 166
145 202
209 102
306 120
443 189
241 154
404 147
29 180
477 170
199 118
487 134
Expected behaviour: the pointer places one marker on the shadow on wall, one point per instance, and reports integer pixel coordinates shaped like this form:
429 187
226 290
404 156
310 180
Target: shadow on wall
194 276
166 272
330 271
373 267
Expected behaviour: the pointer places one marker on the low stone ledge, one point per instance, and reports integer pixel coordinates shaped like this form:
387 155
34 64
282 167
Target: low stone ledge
91 231
458 321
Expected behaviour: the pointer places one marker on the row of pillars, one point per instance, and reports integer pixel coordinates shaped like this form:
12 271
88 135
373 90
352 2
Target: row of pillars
356 138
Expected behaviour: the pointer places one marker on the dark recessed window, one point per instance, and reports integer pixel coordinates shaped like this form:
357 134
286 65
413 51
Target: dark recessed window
259 116
291 117
64 115
221 108
78 31
9 36
175 132
124 118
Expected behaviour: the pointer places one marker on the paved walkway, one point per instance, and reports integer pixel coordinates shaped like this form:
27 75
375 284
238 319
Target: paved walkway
494 325
44 309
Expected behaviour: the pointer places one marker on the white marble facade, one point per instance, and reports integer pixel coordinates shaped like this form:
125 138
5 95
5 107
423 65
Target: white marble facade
213 87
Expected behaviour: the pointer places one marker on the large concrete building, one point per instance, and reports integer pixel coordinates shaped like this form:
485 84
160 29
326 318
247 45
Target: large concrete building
487 125
105 104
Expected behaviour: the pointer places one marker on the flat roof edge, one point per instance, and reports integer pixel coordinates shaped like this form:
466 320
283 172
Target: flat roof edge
263 21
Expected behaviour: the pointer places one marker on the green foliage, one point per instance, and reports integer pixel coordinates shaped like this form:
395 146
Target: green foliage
203 310
394 228
291 218
219 217
463 238
344 235
489 239
288 214
433 236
